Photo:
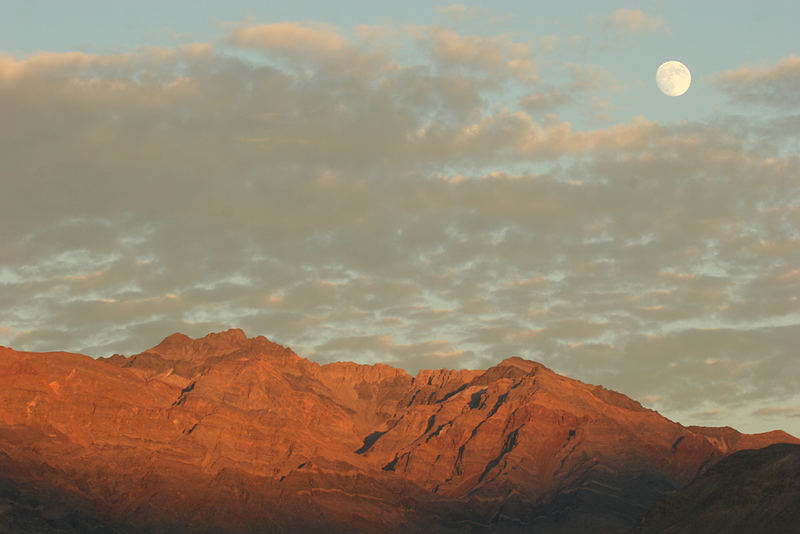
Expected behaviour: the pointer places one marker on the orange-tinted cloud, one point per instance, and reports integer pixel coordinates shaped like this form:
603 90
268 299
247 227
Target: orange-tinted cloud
291 37
774 85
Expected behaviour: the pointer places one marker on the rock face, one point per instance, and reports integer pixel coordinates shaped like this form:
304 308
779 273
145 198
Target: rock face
231 434
752 491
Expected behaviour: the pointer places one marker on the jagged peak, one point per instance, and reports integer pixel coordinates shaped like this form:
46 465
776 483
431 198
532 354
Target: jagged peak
232 334
179 338
521 363
179 346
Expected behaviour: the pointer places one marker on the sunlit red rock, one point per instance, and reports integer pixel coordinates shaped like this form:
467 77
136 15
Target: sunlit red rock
231 434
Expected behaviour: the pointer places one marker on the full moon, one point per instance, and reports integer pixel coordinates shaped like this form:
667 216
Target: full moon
673 78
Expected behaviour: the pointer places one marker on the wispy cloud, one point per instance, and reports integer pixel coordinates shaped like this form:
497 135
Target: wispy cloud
774 85
492 55
626 20
786 411
708 414
457 12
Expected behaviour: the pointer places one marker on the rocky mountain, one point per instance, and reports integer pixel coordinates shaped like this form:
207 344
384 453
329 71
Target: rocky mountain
240 435
752 491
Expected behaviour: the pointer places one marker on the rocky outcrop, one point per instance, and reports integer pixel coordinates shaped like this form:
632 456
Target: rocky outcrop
234 434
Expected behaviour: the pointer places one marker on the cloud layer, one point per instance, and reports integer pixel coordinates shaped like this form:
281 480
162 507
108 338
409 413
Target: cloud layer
419 203
773 85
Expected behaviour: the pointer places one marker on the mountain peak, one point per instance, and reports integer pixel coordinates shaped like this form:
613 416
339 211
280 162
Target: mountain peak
174 340
232 334
521 363
179 346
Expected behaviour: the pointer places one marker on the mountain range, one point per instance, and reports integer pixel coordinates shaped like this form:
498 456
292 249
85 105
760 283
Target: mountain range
230 434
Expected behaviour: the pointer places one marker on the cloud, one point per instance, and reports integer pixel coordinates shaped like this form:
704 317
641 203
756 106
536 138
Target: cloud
549 44
492 55
708 414
117 67
290 37
583 83
457 12
626 20
409 208
786 411
773 85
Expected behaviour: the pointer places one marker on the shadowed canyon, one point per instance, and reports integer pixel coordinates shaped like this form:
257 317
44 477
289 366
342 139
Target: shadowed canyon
233 434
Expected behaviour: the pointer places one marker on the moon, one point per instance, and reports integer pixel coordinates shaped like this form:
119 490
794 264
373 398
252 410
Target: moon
673 78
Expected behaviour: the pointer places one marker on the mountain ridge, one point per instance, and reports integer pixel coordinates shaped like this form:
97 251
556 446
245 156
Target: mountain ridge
354 447
753 491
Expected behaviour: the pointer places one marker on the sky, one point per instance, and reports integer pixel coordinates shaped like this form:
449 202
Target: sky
420 185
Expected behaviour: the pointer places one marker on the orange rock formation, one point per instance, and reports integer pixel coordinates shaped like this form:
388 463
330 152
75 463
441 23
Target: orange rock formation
232 434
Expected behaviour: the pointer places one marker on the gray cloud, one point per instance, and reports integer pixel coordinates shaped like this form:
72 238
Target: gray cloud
390 211
787 411
774 85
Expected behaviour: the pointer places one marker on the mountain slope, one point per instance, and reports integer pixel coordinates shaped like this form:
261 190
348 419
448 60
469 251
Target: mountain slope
231 434
753 491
